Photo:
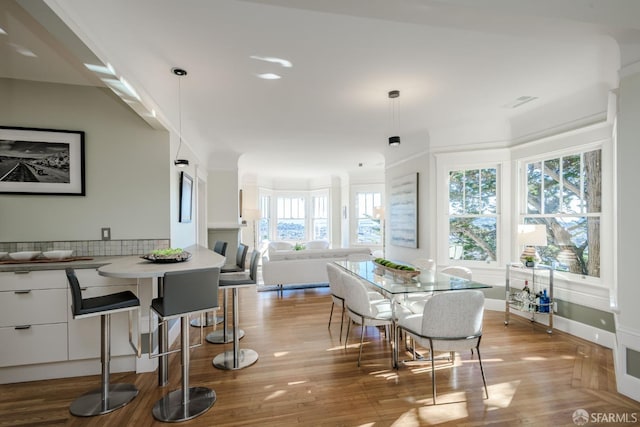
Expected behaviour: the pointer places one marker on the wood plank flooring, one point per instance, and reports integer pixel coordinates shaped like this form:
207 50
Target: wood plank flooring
305 377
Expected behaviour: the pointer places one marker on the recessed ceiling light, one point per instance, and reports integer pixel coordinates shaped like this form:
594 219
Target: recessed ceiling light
22 50
283 62
269 76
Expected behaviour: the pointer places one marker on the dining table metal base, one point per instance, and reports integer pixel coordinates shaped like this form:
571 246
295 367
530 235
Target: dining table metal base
219 337
174 408
246 357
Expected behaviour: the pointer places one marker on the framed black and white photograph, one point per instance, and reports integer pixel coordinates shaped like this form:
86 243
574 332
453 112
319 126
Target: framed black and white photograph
41 161
186 195
403 202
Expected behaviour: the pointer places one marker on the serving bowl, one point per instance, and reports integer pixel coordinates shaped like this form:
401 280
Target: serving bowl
57 254
24 255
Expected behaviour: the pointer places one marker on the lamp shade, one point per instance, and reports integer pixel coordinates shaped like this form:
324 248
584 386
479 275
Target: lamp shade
252 214
532 235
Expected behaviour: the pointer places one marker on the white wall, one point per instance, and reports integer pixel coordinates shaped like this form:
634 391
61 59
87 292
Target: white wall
628 234
426 208
127 167
222 191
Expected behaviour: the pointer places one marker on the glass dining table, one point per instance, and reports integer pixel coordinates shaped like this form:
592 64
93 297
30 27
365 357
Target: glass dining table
393 286
398 289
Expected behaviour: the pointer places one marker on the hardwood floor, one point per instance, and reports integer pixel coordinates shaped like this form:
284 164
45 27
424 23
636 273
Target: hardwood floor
305 377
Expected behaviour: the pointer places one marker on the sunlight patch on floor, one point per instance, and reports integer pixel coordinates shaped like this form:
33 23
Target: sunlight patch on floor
501 395
275 394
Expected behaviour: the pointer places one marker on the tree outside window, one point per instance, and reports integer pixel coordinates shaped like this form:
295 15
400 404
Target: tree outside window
564 193
473 218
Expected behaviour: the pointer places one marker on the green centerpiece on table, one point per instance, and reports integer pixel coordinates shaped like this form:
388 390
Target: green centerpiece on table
398 271
167 255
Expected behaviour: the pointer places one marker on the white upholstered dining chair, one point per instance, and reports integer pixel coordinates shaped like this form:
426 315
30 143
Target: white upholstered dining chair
364 311
451 322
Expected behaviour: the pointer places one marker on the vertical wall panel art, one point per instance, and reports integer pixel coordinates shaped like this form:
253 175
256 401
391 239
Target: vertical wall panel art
403 204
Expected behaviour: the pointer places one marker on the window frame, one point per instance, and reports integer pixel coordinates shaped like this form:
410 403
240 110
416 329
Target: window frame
466 160
522 210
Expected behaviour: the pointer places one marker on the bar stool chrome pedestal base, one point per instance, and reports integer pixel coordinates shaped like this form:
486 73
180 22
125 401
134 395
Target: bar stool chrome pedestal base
94 403
237 358
172 409
223 336
216 337
246 357
210 319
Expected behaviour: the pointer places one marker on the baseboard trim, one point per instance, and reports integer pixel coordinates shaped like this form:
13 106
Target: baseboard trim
597 336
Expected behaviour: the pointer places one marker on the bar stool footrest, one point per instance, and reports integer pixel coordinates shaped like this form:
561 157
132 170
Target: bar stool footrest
91 403
172 409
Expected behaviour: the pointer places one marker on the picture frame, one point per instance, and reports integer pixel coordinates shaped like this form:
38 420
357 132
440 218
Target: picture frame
186 197
42 161
403 204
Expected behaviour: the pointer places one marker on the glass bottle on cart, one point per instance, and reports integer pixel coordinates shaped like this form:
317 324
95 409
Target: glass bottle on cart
529 292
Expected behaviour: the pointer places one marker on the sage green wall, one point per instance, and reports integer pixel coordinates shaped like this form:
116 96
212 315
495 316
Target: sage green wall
127 167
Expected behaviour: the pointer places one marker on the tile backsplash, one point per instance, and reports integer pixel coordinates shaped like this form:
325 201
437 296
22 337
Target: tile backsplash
90 247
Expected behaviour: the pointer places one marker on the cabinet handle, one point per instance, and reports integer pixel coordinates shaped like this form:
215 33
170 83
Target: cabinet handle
22 272
26 291
19 327
84 289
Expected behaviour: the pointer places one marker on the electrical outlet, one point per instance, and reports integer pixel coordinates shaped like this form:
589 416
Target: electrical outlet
106 233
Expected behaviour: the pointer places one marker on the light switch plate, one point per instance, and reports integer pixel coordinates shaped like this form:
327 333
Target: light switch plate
106 233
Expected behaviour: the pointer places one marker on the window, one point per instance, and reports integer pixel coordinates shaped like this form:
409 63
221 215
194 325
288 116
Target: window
290 218
319 218
473 218
564 193
368 227
265 220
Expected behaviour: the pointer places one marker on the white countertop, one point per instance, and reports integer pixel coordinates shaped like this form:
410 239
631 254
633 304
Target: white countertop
136 267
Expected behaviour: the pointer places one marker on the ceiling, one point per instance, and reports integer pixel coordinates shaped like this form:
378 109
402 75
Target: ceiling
459 66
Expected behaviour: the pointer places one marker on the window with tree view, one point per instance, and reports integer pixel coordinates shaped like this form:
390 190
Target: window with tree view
564 193
473 217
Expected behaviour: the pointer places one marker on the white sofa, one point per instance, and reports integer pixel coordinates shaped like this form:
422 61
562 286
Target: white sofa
283 265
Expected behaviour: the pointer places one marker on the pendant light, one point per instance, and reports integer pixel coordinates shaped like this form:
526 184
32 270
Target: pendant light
181 163
394 106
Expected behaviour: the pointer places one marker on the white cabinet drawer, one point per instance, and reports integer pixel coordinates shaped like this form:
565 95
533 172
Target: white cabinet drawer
37 344
33 307
89 277
24 280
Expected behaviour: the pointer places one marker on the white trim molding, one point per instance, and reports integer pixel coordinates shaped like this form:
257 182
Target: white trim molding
627 384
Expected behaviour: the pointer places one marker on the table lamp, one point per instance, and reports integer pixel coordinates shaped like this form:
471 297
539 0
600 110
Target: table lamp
530 236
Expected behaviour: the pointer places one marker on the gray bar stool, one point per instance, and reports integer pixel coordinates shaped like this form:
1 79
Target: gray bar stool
238 358
241 258
108 397
210 319
185 293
